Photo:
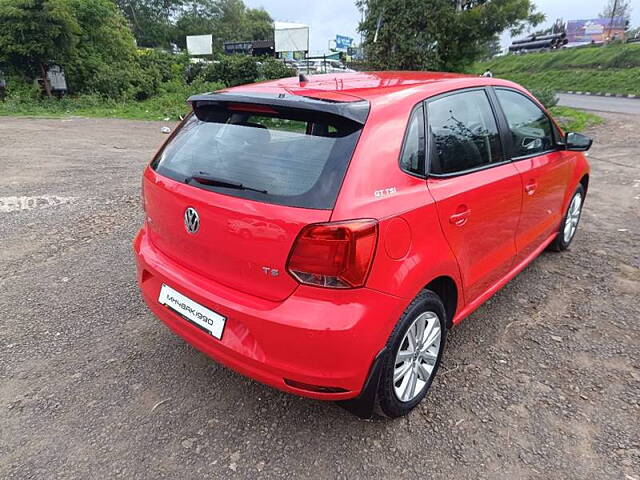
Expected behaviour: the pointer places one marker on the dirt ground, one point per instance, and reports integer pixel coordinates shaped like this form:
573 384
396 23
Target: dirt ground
541 382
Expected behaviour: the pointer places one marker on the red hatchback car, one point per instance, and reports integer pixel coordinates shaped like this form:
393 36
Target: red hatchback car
322 235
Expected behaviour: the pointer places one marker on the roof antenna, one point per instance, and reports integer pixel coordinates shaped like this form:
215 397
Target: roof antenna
302 78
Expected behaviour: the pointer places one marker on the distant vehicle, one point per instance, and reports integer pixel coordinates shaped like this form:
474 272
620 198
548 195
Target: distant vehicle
291 63
322 66
323 238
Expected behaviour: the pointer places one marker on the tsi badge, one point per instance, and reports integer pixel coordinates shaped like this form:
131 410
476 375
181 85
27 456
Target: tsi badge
191 220
271 272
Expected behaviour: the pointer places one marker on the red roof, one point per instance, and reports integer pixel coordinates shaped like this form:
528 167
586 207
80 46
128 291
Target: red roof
371 86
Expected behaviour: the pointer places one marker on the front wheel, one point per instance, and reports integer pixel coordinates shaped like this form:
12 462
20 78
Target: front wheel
570 222
416 346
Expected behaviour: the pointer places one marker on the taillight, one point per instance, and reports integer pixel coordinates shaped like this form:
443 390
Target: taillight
335 255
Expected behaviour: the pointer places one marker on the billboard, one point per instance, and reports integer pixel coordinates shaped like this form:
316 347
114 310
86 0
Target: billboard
291 37
356 53
343 43
595 29
200 44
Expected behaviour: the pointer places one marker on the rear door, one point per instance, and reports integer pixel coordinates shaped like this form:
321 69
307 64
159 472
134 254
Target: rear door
254 175
544 168
477 191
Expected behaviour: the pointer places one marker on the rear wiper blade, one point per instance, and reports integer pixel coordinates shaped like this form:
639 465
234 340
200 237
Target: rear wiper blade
206 179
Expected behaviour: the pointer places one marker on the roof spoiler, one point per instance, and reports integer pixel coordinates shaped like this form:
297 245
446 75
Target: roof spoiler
356 111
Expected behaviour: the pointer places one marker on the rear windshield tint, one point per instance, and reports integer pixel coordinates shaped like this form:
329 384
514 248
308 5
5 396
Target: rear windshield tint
296 158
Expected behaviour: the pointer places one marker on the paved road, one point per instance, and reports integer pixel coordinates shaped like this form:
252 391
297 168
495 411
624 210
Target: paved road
601 104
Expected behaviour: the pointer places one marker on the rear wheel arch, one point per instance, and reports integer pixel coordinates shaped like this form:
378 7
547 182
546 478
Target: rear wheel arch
445 287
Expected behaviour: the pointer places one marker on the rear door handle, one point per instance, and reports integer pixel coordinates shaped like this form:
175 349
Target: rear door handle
461 216
531 187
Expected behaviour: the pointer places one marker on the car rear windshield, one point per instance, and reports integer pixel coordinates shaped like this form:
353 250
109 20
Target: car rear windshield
288 157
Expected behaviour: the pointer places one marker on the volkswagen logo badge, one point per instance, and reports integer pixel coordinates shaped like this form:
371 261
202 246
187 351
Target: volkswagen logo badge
191 220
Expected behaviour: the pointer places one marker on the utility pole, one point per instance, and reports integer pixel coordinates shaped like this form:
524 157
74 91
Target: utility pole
613 12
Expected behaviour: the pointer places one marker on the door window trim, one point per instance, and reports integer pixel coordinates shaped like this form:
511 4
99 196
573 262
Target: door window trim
495 111
517 158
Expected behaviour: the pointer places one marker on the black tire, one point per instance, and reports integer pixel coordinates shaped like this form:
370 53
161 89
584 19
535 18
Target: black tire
559 244
390 404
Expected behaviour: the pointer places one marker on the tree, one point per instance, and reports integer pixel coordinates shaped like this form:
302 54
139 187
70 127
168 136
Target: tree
259 24
227 20
492 48
35 33
557 27
617 9
157 23
438 34
105 58
89 38
151 20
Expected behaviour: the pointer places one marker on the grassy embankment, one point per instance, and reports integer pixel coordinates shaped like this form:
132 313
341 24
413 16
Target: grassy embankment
613 69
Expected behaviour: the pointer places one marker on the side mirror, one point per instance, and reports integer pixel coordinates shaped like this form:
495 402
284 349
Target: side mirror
577 142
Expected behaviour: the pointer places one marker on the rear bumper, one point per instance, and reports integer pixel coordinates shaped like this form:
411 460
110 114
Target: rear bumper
319 337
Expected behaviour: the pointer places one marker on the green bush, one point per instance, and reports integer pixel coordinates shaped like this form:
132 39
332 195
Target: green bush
546 96
231 70
271 69
21 88
170 103
572 120
155 67
155 85
104 60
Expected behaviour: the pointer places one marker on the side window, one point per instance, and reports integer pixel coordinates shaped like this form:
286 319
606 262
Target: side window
464 133
530 127
413 155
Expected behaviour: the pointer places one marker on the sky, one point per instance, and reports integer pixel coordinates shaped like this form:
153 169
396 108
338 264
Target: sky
330 17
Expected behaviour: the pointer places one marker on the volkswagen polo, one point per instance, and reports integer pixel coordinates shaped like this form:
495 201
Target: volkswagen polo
322 235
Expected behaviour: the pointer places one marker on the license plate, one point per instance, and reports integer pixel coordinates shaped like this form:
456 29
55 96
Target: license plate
210 321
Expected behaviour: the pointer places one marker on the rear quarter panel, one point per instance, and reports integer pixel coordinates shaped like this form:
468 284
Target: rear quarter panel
376 187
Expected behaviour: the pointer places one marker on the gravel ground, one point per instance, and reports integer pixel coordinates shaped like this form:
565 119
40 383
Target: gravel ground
542 381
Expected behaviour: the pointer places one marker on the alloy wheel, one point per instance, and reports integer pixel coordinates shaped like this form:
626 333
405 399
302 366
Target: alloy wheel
417 356
572 218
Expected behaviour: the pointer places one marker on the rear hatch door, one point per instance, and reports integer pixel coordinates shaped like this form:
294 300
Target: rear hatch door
230 191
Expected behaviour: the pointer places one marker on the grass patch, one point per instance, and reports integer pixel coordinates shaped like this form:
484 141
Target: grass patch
169 104
573 120
158 108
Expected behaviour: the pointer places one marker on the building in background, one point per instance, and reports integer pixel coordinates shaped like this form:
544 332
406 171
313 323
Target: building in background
595 30
257 48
